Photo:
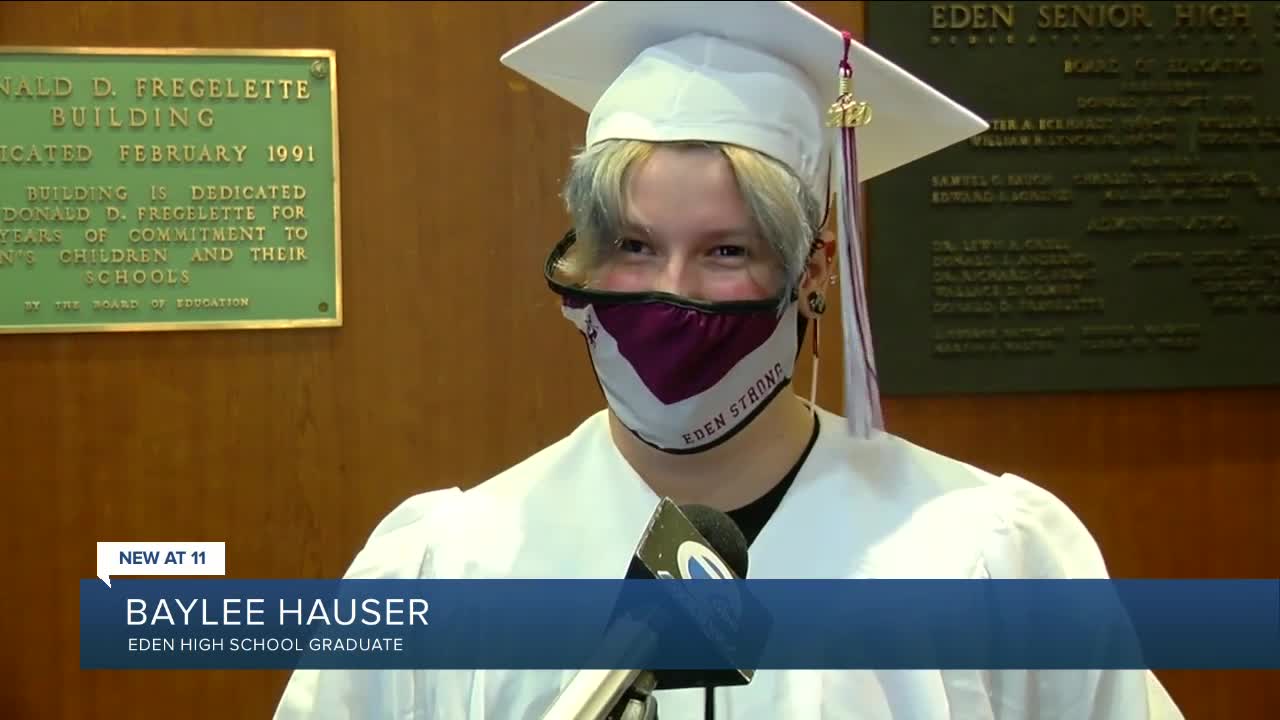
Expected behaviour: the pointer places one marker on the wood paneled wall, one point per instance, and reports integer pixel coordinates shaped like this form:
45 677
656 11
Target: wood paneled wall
454 363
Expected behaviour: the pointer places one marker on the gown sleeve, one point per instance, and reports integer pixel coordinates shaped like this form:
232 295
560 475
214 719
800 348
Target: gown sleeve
398 548
1041 538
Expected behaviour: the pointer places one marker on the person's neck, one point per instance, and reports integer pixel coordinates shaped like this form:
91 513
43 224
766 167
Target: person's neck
732 474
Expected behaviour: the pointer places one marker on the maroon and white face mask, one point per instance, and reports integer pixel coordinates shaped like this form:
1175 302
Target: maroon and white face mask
684 376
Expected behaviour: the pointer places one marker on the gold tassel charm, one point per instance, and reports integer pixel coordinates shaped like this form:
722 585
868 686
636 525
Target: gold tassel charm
847 111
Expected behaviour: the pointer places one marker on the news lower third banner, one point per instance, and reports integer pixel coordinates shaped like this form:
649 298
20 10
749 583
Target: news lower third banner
219 623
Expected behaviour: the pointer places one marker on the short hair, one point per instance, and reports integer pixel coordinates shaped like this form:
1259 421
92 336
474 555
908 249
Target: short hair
784 210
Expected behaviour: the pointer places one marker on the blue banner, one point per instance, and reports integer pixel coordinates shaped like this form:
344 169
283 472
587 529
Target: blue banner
672 624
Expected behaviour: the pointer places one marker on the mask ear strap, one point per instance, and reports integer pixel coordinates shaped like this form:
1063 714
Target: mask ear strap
813 380
817 246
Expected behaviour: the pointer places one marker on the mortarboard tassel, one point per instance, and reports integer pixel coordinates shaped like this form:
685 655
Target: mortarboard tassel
861 388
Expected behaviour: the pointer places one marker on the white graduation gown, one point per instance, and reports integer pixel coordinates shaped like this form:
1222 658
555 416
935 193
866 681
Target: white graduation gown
881 508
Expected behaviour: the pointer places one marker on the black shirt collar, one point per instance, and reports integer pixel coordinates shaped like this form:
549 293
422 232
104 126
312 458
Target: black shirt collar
752 517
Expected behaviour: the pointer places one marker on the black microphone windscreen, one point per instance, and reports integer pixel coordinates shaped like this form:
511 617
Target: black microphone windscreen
723 533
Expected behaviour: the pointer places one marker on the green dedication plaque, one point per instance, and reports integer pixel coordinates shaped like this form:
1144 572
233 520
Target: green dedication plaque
168 189
1117 227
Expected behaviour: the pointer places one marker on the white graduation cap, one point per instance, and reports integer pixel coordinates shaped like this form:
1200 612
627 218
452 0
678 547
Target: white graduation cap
762 75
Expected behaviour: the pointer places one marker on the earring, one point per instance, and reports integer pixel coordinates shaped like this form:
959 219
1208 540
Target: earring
817 303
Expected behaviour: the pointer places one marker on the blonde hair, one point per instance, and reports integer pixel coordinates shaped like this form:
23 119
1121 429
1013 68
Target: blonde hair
785 212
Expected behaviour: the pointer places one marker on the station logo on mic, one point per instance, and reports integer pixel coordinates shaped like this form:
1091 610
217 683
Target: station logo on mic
719 618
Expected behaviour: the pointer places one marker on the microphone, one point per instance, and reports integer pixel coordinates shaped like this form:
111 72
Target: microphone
693 542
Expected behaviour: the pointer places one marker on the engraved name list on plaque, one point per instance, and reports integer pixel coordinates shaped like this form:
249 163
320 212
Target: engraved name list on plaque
1117 227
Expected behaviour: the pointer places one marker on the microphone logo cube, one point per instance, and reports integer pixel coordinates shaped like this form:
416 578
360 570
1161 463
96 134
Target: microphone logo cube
697 562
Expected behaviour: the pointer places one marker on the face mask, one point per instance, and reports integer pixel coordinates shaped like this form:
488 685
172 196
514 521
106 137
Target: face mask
683 376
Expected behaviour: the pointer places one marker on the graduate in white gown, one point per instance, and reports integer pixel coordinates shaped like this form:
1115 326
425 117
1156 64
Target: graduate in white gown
703 207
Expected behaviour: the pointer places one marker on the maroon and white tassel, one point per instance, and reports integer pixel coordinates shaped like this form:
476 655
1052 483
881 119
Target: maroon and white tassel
861 388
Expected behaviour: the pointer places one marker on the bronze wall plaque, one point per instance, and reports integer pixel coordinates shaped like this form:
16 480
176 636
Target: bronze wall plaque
1118 227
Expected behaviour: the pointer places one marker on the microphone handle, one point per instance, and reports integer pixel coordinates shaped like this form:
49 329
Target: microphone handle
595 694
648 710
643 706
